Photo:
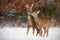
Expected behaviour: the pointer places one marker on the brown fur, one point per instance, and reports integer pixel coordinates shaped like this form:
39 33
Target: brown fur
31 22
35 15
43 22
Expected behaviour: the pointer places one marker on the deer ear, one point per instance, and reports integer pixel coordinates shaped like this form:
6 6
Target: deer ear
38 11
32 5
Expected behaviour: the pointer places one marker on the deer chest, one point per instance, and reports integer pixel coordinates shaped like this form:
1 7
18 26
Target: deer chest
29 17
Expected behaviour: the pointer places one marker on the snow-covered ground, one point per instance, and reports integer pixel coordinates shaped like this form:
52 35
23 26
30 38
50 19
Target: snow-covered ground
13 33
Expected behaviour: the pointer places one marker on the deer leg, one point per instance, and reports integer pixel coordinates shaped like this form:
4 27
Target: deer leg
47 32
44 31
28 29
40 32
33 30
37 31
40 27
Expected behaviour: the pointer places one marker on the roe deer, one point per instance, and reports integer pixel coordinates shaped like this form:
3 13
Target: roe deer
38 22
43 22
31 22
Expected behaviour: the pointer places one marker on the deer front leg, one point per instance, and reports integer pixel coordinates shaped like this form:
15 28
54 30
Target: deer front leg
28 29
33 30
37 31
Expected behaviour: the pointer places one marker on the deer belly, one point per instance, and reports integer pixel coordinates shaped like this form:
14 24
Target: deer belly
46 24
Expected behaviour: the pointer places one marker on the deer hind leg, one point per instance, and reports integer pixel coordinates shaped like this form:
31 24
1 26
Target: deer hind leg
28 29
40 31
44 28
47 32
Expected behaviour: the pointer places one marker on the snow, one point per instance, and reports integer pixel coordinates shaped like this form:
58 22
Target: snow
18 33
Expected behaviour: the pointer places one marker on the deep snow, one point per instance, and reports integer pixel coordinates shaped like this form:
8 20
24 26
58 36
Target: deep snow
18 33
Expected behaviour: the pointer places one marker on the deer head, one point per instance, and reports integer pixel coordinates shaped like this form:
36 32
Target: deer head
30 12
35 13
29 8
